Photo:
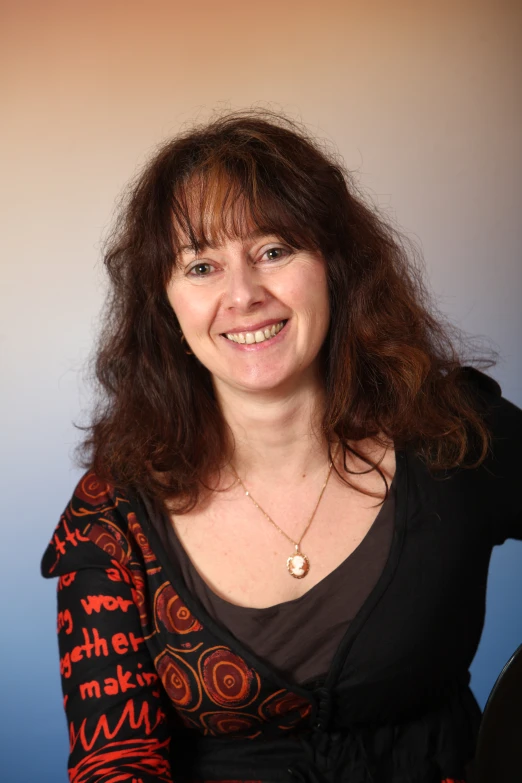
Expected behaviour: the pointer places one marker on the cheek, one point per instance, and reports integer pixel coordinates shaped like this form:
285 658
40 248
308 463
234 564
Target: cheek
175 298
191 311
311 295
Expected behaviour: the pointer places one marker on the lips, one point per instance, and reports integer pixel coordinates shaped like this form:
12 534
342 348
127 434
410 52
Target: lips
259 335
255 333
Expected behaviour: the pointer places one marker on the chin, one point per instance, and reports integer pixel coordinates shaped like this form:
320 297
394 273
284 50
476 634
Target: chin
271 382
264 377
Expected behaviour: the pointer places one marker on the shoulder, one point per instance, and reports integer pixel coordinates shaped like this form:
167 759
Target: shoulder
503 417
483 385
93 530
499 472
496 481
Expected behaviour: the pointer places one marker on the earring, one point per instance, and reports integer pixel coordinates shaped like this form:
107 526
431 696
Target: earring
189 353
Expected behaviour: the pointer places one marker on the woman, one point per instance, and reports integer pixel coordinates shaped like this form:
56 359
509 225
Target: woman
275 567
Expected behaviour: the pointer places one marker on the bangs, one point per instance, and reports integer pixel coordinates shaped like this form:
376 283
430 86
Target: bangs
230 201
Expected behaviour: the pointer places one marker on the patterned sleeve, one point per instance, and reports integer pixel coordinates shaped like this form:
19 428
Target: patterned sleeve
113 699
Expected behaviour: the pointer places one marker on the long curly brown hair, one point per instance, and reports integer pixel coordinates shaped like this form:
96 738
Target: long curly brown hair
391 363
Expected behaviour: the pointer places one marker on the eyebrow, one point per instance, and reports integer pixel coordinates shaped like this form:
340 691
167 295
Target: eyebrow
211 245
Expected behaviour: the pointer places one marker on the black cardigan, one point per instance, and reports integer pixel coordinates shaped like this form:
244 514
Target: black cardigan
156 691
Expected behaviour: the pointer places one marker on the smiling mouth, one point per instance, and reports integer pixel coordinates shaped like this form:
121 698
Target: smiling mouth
259 336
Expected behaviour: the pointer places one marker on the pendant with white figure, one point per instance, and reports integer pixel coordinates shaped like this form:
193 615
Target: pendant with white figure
298 564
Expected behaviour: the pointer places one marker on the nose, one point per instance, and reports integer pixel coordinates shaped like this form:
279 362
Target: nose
243 288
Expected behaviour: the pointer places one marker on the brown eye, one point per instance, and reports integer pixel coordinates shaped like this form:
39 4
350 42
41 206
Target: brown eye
200 270
276 253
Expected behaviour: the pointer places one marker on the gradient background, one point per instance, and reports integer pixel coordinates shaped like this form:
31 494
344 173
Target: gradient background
422 99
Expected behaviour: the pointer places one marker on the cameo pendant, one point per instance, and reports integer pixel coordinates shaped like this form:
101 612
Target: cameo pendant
298 564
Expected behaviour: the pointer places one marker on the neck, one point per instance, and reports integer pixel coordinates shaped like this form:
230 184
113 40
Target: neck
277 437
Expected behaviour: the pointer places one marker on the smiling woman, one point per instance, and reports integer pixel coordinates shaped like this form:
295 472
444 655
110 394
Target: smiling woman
254 312
262 568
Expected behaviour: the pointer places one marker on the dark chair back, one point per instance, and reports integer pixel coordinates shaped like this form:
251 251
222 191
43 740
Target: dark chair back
498 757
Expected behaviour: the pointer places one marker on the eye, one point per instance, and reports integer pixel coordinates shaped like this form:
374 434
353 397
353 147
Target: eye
201 269
276 253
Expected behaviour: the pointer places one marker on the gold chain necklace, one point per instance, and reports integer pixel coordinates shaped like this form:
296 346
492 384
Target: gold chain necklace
297 564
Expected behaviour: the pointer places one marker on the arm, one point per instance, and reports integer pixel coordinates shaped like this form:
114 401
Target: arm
112 696
499 475
116 706
503 471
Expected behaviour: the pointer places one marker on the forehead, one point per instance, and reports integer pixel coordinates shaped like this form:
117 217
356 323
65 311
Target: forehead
208 211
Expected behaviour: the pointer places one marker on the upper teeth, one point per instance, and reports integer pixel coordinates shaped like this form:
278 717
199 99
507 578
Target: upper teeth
255 337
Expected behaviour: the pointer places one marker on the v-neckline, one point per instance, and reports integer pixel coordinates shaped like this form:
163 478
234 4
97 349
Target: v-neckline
175 543
229 640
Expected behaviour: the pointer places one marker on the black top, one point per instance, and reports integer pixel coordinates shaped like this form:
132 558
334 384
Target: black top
157 690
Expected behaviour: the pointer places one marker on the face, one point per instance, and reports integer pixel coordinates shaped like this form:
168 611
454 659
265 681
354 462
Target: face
254 311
